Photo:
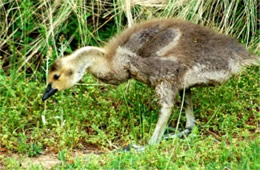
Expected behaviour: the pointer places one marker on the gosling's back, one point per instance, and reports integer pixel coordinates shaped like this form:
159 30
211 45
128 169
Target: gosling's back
180 50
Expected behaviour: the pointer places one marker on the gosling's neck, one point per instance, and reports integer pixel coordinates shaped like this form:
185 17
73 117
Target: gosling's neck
94 60
91 59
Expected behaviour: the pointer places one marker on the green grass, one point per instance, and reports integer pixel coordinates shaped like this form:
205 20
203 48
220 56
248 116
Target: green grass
94 117
107 118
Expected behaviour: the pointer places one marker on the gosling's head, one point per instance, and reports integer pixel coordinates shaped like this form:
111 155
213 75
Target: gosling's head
67 71
61 76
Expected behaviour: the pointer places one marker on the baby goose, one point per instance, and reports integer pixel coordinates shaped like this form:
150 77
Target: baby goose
168 54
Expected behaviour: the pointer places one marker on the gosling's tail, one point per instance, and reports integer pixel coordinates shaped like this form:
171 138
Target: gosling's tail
251 60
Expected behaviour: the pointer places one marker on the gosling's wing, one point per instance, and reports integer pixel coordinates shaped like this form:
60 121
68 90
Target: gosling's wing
147 38
152 41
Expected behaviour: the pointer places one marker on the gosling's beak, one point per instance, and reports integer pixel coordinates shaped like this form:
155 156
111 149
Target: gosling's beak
49 92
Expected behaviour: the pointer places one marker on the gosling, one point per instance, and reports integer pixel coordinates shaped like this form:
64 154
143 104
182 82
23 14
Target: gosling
168 54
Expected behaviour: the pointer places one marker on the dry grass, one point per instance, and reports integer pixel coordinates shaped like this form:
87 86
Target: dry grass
30 28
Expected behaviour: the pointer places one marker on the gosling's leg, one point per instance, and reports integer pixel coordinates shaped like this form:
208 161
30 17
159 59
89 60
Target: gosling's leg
190 122
167 94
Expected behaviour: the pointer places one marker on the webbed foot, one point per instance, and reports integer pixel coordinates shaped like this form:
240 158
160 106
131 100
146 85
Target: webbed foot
137 148
170 134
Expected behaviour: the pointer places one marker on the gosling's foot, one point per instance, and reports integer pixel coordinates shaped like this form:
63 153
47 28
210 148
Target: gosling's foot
137 148
179 134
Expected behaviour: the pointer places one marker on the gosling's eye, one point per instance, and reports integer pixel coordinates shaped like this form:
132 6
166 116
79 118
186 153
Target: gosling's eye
56 77
69 73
